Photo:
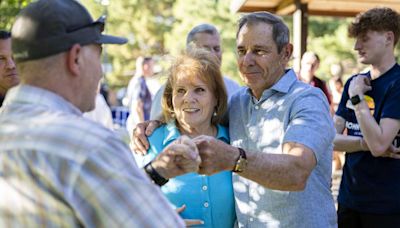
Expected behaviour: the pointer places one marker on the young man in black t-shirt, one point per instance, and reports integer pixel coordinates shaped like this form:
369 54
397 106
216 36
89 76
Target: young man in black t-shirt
369 194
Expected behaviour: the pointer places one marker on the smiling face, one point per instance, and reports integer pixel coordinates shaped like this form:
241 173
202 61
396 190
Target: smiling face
193 102
260 64
194 92
372 46
8 72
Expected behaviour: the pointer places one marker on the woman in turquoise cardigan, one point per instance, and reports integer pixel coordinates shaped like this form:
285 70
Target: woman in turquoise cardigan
194 102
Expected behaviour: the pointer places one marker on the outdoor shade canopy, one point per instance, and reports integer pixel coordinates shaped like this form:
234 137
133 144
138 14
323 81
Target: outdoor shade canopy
315 7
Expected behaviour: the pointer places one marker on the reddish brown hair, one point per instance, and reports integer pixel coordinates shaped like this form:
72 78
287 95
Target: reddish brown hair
204 65
377 19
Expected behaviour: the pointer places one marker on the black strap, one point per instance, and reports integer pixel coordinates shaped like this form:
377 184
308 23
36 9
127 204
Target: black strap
154 175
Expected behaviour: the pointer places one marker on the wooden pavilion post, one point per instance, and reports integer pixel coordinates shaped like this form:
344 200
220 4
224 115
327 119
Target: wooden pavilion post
300 29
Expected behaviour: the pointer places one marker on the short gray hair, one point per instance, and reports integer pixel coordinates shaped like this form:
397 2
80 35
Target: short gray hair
202 28
280 31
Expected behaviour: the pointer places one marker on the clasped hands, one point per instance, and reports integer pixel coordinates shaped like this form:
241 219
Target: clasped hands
180 157
203 154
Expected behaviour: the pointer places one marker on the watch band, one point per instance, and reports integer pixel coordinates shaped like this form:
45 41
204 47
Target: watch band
154 175
241 162
242 153
356 99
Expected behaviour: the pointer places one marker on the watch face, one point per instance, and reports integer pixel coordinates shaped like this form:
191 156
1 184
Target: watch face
355 99
241 165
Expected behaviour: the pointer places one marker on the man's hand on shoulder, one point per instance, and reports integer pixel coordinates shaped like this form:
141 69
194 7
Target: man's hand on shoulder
139 143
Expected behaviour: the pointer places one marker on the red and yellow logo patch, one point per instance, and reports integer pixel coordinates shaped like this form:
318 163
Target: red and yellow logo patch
370 102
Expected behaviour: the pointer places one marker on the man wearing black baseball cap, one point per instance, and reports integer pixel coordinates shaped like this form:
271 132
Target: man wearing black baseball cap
57 168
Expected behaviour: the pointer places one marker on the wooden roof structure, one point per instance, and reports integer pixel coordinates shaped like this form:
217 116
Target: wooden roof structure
301 9
315 7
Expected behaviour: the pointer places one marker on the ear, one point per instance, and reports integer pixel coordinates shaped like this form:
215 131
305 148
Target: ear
390 37
74 58
287 52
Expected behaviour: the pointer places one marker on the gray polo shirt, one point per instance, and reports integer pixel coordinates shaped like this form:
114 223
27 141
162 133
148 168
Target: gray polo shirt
290 111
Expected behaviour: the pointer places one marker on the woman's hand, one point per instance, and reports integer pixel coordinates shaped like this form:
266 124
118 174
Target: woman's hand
189 222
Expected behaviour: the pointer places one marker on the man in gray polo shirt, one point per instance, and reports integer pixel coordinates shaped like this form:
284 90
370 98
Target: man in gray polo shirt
283 172
281 136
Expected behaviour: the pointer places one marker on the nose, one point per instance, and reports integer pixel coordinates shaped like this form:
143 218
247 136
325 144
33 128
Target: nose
248 59
212 50
216 51
357 45
10 64
218 54
189 96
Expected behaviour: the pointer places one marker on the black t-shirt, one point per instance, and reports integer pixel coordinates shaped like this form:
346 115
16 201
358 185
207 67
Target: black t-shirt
372 184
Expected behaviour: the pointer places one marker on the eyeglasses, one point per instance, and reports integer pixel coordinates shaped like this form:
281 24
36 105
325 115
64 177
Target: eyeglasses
100 23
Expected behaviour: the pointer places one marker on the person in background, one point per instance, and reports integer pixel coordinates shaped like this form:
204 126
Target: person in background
194 102
204 36
309 65
102 112
105 92
281 135
59 169
8 72
335 84
140 92
369 194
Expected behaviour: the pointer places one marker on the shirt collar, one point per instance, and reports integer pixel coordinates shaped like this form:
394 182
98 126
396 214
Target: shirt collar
285 82
282 85
26 94
172 133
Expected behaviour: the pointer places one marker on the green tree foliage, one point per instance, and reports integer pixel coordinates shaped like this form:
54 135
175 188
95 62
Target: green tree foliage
159 28
189 13
143 22
8 10
327 36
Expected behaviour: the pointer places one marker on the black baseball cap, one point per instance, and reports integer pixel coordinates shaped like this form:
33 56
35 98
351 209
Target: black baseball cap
49 27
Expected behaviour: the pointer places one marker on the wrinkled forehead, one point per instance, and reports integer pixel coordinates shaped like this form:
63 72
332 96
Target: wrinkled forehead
253 36
204 39
5 45
190 78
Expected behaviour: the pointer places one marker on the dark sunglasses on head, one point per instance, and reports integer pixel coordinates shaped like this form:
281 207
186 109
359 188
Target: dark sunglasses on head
100 23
